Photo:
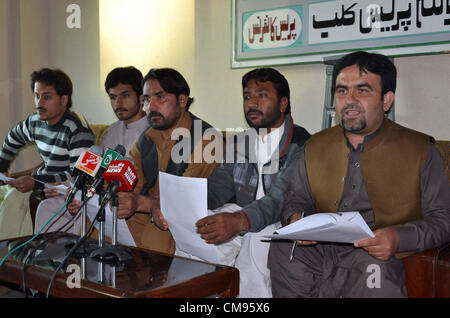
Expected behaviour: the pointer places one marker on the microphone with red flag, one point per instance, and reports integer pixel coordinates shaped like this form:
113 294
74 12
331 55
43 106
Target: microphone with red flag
87 165
109 155
123 172
120 176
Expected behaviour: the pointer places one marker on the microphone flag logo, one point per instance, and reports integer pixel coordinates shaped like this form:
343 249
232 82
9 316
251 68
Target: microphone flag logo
123 171
88 163
109 156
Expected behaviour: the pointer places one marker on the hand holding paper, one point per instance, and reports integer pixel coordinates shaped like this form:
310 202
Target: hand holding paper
23 184
56 189
158 217
383 246
342 227
219 228
5 178
61 188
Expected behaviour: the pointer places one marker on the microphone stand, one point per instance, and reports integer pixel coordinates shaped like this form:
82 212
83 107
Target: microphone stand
86 248
101 234
84 212
101 220
114 253
83 230
115 205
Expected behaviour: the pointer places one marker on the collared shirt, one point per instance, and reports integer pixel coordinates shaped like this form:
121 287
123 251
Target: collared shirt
123 134
264 149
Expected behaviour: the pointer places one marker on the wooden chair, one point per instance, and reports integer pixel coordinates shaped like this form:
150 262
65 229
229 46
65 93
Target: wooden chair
428 272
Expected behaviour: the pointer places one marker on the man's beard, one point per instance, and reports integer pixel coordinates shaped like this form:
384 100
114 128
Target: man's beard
266 121
353 125
161 124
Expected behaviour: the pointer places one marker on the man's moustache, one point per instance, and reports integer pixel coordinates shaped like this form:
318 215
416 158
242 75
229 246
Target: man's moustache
352 106
254 111
154 113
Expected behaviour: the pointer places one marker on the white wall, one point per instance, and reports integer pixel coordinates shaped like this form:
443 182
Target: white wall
423 94
117 33
77 52
24 42
5 83
147 34
218 87
422 99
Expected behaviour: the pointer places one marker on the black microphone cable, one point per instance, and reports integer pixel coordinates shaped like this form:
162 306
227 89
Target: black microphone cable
52 235
56 220
46 240
72 250
31 239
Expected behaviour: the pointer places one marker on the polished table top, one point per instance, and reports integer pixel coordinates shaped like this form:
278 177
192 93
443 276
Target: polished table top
140 273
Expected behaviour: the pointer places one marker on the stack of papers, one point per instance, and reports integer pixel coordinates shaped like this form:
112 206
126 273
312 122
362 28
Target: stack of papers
340 227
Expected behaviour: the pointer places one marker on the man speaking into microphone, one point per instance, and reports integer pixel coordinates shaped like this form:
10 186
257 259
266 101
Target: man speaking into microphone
166 97
120 176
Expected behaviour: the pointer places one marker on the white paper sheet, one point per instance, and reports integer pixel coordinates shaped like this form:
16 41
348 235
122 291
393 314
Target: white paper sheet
61 188
340 227
5 178
183 202
124 236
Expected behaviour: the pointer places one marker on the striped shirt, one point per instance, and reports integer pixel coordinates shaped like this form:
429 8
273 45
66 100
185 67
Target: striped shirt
59 145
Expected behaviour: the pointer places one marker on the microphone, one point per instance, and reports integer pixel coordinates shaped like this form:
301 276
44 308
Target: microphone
120 176
109 156
87 166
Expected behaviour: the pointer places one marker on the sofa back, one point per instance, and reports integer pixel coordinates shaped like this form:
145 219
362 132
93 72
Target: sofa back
444 148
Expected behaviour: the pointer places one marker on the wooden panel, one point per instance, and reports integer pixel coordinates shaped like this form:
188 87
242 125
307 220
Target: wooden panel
147 274
428 273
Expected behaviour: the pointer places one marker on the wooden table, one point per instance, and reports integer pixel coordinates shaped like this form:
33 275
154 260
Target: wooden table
147 274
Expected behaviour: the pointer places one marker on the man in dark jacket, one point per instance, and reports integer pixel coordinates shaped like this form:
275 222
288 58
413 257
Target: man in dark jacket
255 165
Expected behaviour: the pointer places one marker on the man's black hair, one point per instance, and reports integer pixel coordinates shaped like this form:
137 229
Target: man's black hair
127 76
58 79
171 81
272 75
370 62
